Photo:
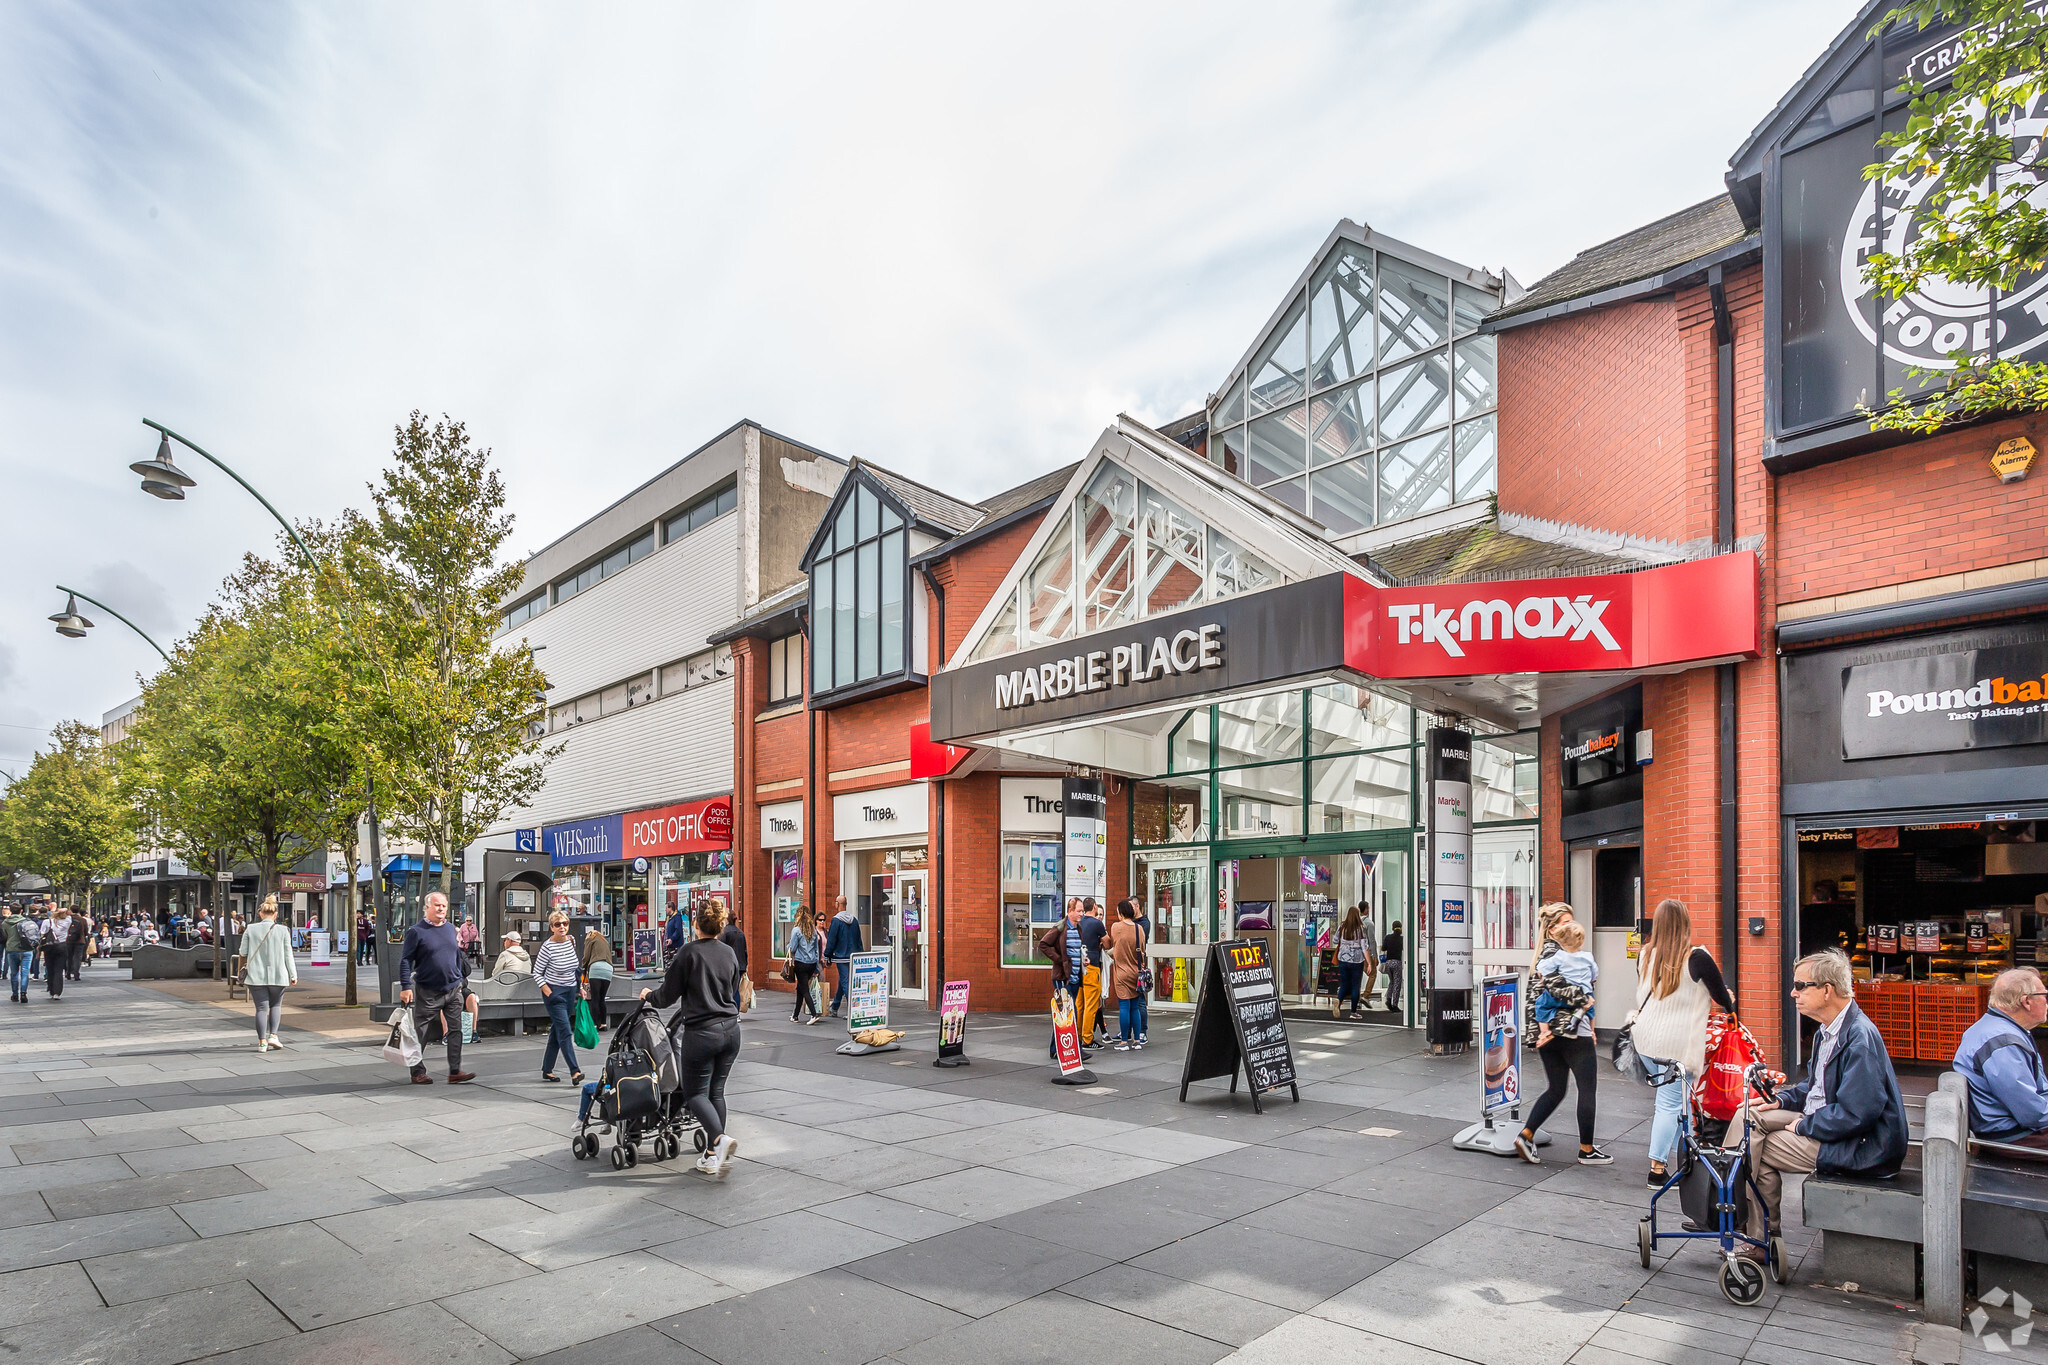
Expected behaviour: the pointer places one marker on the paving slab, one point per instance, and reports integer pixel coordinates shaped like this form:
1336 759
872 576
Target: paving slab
80 1238
758 1255
422 1334
310 1198
1231 1319
46 1291
584 1302
166 1331
147 1192
838 1318
1047 1327
641 1345
152 1272
978 1270
1259 1263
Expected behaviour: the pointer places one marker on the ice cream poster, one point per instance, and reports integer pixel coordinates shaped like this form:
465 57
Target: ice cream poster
1502 1042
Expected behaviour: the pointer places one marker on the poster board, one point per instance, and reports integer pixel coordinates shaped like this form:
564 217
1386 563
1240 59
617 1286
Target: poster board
867 1002
1066 1033
319 950
953 1023
1501 1042
1238 1024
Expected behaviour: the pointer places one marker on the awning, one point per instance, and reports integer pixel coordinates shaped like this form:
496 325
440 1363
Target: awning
407 862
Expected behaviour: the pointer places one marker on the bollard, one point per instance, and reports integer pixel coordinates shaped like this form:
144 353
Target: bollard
1943 1150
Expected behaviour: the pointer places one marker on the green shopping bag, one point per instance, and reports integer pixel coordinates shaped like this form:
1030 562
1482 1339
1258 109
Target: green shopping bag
580 1024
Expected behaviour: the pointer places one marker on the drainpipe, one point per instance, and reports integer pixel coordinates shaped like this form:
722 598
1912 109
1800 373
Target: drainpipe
935 988
1724 543
803 625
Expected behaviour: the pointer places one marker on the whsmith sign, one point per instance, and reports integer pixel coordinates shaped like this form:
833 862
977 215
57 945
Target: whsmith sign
1677 613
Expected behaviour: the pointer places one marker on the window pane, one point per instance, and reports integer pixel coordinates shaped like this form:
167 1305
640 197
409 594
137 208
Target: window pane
702 513
890 521
1414 309
892 602
1340 322
1175 546
613 562
1495 770
842 527
1231 408
1415 476
1002 633
1476 460
728 500
1234 569
821 625
1031 897
1279 445
1109 545
612 700
1230 451
1188 748
1340 424
1048 589
868 634
1477 373
870 512
1175 811
1279 370
1294 493
842 619
675 527
702 669
1344 496
1259 729
1415 397
778 657
1361 791
640 548
721 661
640 689
1343 716
1261 802
1471 305
1504 888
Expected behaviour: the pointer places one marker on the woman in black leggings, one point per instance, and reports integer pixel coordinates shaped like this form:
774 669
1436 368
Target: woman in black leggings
704 978
1572 1055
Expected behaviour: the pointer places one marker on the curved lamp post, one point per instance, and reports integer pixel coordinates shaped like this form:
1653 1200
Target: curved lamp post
74 626
162 478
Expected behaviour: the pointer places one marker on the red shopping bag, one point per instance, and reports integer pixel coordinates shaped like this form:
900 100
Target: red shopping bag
1731 1051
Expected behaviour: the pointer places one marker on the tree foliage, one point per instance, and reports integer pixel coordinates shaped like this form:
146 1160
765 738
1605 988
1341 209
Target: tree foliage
1984 221
68 818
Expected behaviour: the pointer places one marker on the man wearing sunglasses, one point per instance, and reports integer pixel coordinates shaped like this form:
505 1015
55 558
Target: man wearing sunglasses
2008 1090
1846 1117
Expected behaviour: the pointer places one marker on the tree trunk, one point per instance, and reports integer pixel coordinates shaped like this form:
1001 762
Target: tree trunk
354 913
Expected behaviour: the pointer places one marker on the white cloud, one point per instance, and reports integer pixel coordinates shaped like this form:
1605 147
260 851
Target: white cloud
955 240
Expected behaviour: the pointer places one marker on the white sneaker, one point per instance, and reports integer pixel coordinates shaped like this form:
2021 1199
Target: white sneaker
722 1151
272 1041
707 1164
262 1045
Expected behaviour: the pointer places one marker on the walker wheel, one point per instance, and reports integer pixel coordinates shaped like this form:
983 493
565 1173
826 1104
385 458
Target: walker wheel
1781 1270
618 1159
1742 1281
700 1140
1646 1241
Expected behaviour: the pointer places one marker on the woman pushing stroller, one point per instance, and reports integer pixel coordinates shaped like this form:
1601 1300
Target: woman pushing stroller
703 978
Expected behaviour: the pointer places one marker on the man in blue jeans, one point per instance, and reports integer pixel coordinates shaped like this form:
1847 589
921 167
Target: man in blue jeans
842 941
20 954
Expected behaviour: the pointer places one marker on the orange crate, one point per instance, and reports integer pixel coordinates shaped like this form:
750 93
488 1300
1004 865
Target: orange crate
1889 1004
1942 1013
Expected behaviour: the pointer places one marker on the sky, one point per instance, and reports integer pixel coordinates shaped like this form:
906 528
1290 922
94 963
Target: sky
955 240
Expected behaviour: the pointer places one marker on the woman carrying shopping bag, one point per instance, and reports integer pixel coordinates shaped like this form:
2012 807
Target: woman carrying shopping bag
555 967
597 973
267 968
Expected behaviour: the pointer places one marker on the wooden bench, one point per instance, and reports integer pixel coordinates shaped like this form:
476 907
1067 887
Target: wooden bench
514 998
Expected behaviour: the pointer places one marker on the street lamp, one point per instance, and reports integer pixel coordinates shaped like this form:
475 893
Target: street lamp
161 478
71 624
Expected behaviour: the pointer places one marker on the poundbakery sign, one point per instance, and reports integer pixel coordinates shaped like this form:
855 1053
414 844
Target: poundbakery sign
1678 613
1970 691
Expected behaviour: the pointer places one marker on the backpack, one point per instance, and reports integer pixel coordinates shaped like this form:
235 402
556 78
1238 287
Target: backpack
629 1092
31 932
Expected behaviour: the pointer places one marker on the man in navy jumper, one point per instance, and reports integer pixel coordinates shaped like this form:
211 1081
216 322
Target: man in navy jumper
433 957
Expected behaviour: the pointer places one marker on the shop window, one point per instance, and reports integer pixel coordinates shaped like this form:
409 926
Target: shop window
786 888
1173 810
701 513
1031 896
859 588
1504 888
1344 716
1262 802
1361 791
1257 728
786 669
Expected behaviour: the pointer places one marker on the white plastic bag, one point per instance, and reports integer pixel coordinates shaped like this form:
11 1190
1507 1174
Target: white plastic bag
404 1045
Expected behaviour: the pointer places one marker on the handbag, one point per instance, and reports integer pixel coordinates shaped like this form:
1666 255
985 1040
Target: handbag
580 1026
746 995
1626 1059
788 972
403 1047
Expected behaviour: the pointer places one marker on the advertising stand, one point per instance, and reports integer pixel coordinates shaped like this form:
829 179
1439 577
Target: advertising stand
1500 1075
1448 826
1238 1024
953 1025
867 1003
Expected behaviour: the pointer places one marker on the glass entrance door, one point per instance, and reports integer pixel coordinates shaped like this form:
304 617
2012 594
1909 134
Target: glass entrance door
1296 903
1173 888
909 933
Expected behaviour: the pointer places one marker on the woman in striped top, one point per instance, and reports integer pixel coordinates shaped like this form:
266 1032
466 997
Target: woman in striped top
558 968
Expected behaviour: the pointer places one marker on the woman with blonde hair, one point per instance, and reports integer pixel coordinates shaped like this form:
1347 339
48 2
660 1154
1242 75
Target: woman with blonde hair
1568 1053
1678 980
267 968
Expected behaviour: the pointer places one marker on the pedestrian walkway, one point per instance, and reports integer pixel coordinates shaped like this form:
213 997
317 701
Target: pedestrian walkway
168 1195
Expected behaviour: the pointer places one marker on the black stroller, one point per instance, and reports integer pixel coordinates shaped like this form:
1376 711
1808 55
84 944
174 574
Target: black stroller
1715 1184
640 1096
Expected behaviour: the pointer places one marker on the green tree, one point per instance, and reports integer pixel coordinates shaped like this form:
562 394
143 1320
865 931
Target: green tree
67 818
1984 222
460 728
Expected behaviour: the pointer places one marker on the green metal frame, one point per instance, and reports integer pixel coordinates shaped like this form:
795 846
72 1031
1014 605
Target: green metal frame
117 616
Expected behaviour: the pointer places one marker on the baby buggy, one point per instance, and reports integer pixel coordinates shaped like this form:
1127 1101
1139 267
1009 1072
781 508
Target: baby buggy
639 1096
1715 1184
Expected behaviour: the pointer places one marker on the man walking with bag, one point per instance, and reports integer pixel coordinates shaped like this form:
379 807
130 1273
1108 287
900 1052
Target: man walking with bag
432 959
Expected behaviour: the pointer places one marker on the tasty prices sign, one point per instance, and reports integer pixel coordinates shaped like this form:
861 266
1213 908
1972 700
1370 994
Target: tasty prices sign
692 827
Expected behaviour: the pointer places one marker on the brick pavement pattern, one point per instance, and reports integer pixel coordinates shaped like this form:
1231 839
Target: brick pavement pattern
169 1195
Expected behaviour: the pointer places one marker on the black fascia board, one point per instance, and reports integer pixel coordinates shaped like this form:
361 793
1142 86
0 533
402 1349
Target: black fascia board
946 548
1685 272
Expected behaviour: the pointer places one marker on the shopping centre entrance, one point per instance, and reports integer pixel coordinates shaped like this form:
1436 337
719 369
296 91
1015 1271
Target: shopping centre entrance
1296 900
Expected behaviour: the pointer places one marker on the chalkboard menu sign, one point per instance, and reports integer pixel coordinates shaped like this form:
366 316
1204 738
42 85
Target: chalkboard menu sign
1238 1024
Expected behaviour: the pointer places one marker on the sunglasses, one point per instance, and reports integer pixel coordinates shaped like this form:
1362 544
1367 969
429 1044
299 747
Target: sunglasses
1807 985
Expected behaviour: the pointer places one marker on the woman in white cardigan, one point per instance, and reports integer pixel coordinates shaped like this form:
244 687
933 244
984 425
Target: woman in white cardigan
267 968
1678 982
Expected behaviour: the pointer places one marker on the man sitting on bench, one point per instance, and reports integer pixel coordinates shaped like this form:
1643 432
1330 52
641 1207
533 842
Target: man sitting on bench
1846 1118
2008 1088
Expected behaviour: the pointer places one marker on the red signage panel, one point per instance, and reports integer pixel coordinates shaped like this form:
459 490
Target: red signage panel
933 760
692 827
1703 609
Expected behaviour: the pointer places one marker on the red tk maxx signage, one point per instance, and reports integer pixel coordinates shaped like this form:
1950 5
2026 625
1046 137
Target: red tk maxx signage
933 760
1677 613
693 827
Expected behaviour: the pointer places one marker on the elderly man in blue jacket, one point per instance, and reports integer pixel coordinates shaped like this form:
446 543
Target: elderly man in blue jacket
1847 1117
2008 1090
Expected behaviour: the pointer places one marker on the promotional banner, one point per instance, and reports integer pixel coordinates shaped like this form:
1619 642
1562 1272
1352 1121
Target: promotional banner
319 950
1448 816
867 1003
1084 822
953 1021
1501 1041
1066 1033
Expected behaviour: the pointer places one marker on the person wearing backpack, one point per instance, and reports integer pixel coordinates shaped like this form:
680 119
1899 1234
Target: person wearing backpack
267 968
1390 959
23 933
